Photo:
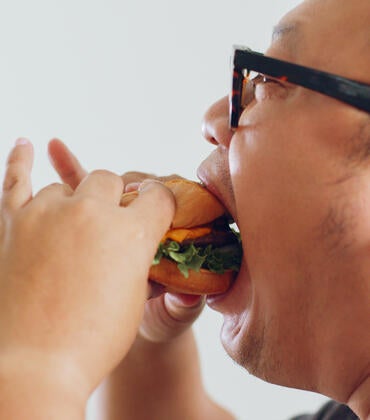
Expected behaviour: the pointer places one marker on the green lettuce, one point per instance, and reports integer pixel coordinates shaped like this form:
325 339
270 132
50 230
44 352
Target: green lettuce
190 257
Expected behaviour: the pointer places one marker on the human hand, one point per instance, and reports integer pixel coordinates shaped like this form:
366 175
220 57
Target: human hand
73 271
167 315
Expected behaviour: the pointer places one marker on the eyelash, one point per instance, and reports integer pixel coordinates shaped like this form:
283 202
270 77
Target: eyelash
270 88
260 79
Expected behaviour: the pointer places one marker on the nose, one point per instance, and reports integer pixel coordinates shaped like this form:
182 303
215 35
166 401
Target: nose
215 126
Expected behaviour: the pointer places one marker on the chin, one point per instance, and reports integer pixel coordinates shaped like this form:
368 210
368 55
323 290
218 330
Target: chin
242 334
251 344
243 338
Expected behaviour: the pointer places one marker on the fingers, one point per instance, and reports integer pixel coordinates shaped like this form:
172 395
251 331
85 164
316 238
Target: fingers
155 208
65 163
17 187
184 308
101 184
132 186
169 315
133 180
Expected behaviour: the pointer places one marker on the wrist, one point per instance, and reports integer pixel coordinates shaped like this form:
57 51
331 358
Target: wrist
40 386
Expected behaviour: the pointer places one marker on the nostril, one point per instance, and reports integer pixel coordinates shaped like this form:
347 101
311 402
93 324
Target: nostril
215 126
213 141
208 132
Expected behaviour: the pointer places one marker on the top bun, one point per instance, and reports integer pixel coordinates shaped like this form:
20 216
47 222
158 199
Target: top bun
195 205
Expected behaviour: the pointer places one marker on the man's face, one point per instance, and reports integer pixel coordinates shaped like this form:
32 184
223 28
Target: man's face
290 177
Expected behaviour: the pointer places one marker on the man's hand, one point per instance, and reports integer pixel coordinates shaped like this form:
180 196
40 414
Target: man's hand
166 316
73 271
162 367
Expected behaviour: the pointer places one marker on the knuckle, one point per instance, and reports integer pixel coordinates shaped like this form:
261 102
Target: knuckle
14 157
98 172
15 175
163 195
48 188
101 172
53 186
107 175
134 176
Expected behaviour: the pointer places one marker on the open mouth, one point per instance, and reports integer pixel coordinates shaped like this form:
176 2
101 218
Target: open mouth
217 251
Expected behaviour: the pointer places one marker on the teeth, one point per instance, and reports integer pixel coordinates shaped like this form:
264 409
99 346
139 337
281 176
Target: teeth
234 226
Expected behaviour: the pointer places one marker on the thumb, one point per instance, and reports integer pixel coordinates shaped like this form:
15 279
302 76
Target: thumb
155 208
17 187
169 315
183 308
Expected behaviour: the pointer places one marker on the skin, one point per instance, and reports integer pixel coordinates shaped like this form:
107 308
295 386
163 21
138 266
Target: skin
56 313
294 178
164 336
298 314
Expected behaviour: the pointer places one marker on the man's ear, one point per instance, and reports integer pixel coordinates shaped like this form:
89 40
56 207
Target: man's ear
65 163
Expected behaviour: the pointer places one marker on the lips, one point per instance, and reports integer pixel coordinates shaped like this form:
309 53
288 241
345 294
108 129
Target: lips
236 298
226 200
215 176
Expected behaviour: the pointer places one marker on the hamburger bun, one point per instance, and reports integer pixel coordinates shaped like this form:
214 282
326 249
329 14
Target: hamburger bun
195 207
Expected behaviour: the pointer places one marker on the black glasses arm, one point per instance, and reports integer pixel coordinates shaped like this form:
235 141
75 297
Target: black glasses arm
346 90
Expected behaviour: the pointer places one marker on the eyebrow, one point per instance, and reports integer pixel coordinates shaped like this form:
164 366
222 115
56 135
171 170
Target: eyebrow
287 34
284 29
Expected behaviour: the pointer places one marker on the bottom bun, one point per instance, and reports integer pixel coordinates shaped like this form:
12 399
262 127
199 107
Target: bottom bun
203 282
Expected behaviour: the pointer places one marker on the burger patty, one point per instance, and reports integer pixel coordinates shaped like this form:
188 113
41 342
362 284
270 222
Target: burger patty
216 238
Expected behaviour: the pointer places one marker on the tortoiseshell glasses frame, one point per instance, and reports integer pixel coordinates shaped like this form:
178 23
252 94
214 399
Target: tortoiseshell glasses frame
245 61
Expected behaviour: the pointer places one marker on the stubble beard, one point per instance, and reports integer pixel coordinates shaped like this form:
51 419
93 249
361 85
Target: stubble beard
246 349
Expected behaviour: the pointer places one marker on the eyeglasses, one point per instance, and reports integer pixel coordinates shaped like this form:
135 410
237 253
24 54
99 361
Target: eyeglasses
246 61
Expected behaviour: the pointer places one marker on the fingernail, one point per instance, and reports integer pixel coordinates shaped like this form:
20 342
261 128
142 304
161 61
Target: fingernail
182 299
132 186
147 183
22 141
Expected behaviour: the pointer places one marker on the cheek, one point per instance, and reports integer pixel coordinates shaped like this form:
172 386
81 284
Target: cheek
280 177
278 207
268 182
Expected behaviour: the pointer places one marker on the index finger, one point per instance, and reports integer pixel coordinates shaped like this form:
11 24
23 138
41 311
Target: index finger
155 207
65 163
101 184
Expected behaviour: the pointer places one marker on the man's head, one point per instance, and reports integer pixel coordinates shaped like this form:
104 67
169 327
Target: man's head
296 176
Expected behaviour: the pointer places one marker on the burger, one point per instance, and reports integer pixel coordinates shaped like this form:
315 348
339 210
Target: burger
201 253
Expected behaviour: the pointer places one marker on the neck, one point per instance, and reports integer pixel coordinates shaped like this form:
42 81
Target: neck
359 401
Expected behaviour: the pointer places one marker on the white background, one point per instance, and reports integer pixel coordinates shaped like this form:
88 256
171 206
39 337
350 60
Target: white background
125 84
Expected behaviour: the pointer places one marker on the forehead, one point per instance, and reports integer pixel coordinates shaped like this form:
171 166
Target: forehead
333 35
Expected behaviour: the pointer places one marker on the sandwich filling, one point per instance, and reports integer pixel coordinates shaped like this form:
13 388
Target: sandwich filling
215 247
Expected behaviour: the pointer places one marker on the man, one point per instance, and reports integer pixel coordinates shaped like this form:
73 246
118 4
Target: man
294 174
